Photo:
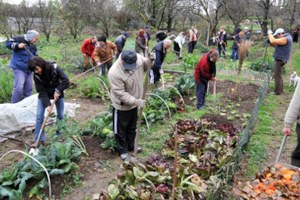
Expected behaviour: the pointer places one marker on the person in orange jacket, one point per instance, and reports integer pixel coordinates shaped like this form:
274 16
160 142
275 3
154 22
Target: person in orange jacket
104 53
87 49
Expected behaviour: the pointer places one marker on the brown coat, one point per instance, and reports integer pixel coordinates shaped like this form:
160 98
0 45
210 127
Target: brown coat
103 54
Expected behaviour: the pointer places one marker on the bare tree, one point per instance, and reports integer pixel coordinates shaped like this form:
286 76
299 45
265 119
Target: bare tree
209 10
105 14
24 15
46 17
237 10
73 14
263 13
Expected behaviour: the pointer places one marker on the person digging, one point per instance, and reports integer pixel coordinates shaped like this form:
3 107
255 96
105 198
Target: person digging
126 80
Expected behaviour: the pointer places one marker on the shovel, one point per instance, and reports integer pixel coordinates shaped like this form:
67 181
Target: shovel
34 149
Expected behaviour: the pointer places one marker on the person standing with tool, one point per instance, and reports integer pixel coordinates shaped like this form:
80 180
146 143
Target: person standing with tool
104 54
291 116
23 48
283 46
205 71
50 83
141 43
120 42
222 41
87 49
160 50
126 82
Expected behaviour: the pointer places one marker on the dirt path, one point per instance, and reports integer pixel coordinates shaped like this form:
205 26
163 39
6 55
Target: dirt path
272 148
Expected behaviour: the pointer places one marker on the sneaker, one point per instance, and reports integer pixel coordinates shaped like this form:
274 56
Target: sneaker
124 156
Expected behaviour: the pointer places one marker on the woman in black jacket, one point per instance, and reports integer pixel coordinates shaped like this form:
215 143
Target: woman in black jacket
50 83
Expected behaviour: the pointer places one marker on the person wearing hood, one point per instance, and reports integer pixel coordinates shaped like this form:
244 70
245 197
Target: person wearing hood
283 46
126 82
120 42
50 83
23 48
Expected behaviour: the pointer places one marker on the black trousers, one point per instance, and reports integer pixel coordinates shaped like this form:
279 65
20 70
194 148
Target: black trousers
176 49
156 74
124 128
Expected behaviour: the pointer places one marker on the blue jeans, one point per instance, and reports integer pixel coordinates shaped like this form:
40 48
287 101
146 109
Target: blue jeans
22 85
103 66
201 89
235 53
40 117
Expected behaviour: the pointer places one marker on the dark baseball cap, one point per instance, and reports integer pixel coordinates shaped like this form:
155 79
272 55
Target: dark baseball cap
129 59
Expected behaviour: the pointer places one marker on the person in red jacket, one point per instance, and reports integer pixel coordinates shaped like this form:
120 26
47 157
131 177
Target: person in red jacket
205 71
87 48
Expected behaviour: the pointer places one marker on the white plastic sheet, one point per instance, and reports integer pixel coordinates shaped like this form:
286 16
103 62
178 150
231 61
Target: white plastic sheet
15 117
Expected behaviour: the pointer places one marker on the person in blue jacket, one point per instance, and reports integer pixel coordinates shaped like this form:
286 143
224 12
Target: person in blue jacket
23 48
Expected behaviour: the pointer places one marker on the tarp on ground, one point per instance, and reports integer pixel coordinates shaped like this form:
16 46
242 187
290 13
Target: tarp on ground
17 116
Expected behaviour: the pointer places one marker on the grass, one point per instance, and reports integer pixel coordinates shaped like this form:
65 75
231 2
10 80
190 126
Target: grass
269 123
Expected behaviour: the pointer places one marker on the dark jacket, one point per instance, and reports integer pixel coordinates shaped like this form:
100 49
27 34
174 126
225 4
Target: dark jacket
205 69
160 36
20 57
282 52
52 79
236 41
160 54
120 42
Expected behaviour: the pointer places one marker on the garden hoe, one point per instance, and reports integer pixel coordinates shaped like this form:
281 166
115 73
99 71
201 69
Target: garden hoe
141 110
34 148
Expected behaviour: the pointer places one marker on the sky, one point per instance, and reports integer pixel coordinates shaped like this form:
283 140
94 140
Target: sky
19 1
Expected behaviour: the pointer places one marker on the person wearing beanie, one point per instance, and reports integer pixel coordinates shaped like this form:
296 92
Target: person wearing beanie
87 49
23 48
104 53
120 42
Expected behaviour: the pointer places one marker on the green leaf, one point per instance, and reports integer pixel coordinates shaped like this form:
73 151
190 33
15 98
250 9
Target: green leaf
70 167
137 172
193 158
10 193
55 172
113 191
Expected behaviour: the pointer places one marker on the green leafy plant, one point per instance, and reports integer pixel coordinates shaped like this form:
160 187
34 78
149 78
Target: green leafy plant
185 84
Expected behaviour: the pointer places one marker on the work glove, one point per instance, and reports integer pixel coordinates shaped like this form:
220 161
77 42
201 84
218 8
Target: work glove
269 32
161 71
140 103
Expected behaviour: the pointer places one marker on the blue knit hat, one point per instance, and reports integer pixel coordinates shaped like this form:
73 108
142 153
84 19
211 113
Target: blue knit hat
30 35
